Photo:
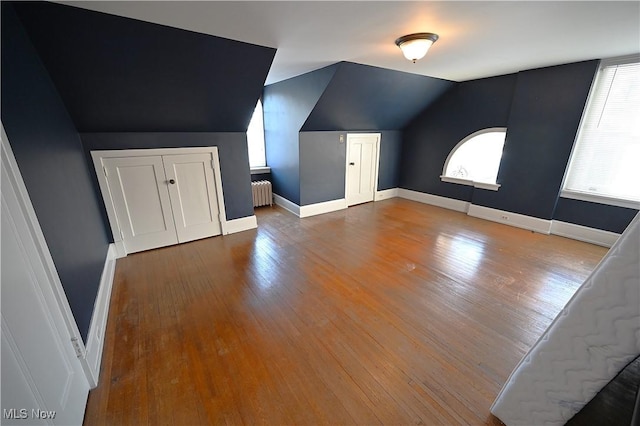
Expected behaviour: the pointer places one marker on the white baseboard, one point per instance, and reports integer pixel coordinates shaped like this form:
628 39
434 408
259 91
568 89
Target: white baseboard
286 204
583 233
120 251
434 200
385 194
325 207
95 338
241 224
542 226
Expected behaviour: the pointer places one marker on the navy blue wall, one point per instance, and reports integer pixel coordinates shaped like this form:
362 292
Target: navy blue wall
52 162
594 215
541 109
390 155
543 122
322 167
362 97
305 115
122 75
232 150
287 105
323 162
428 139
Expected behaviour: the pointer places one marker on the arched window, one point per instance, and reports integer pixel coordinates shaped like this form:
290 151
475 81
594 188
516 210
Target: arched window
475 159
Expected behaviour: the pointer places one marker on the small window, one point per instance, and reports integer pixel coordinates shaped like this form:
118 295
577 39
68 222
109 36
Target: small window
476 159
604 162
255 139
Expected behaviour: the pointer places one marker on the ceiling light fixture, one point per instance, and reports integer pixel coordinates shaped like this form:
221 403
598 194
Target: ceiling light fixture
415 46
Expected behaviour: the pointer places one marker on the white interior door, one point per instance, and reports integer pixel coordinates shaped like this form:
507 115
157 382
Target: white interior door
139 190
193 195
43 381
362 167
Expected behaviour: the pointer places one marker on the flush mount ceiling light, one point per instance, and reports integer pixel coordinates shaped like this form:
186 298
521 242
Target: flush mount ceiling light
415 46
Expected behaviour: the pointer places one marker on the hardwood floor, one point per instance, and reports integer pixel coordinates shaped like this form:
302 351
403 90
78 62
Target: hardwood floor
392 312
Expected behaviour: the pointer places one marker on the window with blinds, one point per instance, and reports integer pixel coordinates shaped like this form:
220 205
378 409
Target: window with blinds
605 162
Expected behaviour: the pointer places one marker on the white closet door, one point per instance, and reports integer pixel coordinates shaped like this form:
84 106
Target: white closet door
193 195
138 187
362 162
42 379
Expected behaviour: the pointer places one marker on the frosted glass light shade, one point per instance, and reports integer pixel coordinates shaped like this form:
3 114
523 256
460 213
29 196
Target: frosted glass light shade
416 46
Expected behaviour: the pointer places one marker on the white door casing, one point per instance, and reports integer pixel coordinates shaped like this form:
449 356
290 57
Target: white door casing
43 380
139 189
185 208
193 195
363 156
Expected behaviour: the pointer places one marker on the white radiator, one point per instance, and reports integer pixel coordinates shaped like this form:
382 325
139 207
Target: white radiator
261 191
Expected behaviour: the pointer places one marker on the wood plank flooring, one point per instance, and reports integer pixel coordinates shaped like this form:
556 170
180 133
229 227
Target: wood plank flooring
392 312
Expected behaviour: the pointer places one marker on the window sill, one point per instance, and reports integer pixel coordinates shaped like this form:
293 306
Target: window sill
260 170
600 199
481 185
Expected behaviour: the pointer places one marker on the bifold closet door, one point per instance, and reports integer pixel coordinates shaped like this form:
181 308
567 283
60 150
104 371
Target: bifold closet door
193 195
140 194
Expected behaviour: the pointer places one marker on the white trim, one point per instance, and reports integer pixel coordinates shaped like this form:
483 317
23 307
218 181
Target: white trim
486 185
120 250
325 207
459 181
434 200
584 233
99 155
260 170
600 199
286 204
542 226
469 182
481 185
96 336
241 224
376 168
10 165
385 194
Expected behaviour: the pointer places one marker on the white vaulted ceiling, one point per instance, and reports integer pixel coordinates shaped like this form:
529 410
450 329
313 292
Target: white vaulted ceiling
477 39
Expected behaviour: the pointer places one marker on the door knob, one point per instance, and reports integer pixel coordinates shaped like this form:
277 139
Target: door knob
352 164
172 182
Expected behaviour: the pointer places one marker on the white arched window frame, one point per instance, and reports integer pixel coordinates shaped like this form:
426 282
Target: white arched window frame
490 161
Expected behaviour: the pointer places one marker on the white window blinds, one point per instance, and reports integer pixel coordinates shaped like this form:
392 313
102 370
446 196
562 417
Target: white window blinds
605 163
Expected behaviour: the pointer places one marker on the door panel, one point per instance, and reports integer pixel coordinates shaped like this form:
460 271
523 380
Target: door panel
361 168
141 200
193 195
40 370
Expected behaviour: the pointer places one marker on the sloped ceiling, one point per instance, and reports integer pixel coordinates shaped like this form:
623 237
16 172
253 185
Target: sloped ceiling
477 38
361 97
119 74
